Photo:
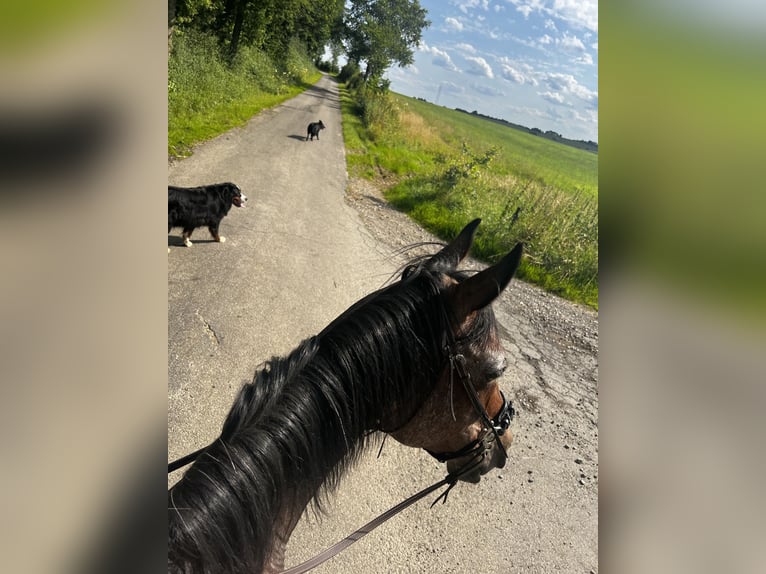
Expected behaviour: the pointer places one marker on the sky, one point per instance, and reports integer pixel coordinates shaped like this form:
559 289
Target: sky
530 62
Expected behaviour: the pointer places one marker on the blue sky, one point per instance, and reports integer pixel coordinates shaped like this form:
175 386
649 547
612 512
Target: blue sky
531 62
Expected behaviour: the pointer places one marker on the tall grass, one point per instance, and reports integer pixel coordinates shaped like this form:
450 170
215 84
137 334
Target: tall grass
209 94
449 167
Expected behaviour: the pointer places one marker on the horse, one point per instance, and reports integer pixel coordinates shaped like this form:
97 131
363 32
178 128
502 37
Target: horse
392 363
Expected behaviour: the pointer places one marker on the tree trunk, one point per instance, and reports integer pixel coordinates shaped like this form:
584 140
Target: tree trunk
239 18
171 22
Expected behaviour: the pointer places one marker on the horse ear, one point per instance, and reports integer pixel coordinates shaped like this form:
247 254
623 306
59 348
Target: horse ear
481 289
448 258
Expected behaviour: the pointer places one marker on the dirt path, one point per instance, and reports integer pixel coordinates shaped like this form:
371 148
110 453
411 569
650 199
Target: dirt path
309 245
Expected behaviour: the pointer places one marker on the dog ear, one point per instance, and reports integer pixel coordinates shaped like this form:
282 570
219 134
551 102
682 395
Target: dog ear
448 258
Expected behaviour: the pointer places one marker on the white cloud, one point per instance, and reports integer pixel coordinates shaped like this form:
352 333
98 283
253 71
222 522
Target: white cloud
575 47
519 73
546 39
514 75
581 13
487 90
440 57
466 48
551 25
467 5
590 116
479 67
453 24
572 43
525 9
552 97
451 88
567 84
578 13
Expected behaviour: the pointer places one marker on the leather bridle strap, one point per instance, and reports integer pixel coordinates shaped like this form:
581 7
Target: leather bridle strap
496 426
450 480
184 460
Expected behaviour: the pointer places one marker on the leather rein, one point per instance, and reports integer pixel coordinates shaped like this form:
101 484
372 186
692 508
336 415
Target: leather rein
492 429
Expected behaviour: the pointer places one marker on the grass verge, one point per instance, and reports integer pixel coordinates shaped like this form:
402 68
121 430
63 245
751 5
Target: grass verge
208 94
448 167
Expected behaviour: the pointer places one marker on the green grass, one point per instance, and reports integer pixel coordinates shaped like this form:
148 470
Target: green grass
208 95
448 167
526 156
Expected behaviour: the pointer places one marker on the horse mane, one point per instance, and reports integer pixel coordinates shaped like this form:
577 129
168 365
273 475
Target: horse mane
304 420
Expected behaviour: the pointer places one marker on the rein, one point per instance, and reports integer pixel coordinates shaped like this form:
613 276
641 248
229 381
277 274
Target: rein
492 430
338 547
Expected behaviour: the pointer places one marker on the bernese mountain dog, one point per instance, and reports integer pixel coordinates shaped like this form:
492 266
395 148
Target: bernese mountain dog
203 206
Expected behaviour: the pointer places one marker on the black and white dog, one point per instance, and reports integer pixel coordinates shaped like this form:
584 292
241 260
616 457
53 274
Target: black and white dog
313 130
206 205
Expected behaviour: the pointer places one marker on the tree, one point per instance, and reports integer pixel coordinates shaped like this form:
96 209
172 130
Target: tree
384 33
267 25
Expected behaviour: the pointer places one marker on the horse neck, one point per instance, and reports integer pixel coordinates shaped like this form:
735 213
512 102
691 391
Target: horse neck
292 433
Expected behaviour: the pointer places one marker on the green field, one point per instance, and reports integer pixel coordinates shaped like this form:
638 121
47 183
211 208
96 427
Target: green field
524 155
445 167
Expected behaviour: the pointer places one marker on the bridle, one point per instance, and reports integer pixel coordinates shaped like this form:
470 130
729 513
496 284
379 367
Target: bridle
492 429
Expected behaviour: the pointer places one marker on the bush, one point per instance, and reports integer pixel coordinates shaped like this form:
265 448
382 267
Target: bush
328 67
378 111
348 71
195 72
257 67
295 67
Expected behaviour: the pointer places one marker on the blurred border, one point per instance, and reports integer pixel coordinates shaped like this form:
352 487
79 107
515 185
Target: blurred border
83 293
83 288
683 253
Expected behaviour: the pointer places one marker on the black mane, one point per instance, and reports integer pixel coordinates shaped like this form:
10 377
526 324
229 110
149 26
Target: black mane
305 419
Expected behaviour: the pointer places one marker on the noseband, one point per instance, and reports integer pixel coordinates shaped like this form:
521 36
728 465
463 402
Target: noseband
492 428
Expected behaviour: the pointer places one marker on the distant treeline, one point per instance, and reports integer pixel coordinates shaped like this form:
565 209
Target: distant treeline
551 135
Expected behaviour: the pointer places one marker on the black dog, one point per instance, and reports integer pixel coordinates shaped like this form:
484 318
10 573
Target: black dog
206 205
313 130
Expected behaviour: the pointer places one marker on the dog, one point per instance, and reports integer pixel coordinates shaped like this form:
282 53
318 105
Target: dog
313 130
206 205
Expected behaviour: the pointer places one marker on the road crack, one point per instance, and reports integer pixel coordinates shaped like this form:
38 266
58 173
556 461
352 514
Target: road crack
208 329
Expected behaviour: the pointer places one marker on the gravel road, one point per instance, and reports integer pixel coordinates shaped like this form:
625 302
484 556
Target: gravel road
310 243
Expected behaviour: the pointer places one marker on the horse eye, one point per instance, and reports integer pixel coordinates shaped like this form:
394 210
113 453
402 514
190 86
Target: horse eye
498 369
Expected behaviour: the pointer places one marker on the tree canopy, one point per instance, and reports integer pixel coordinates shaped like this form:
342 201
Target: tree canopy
268 25
383 33
380 33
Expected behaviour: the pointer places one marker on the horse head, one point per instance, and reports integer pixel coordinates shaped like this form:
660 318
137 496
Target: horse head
464 420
